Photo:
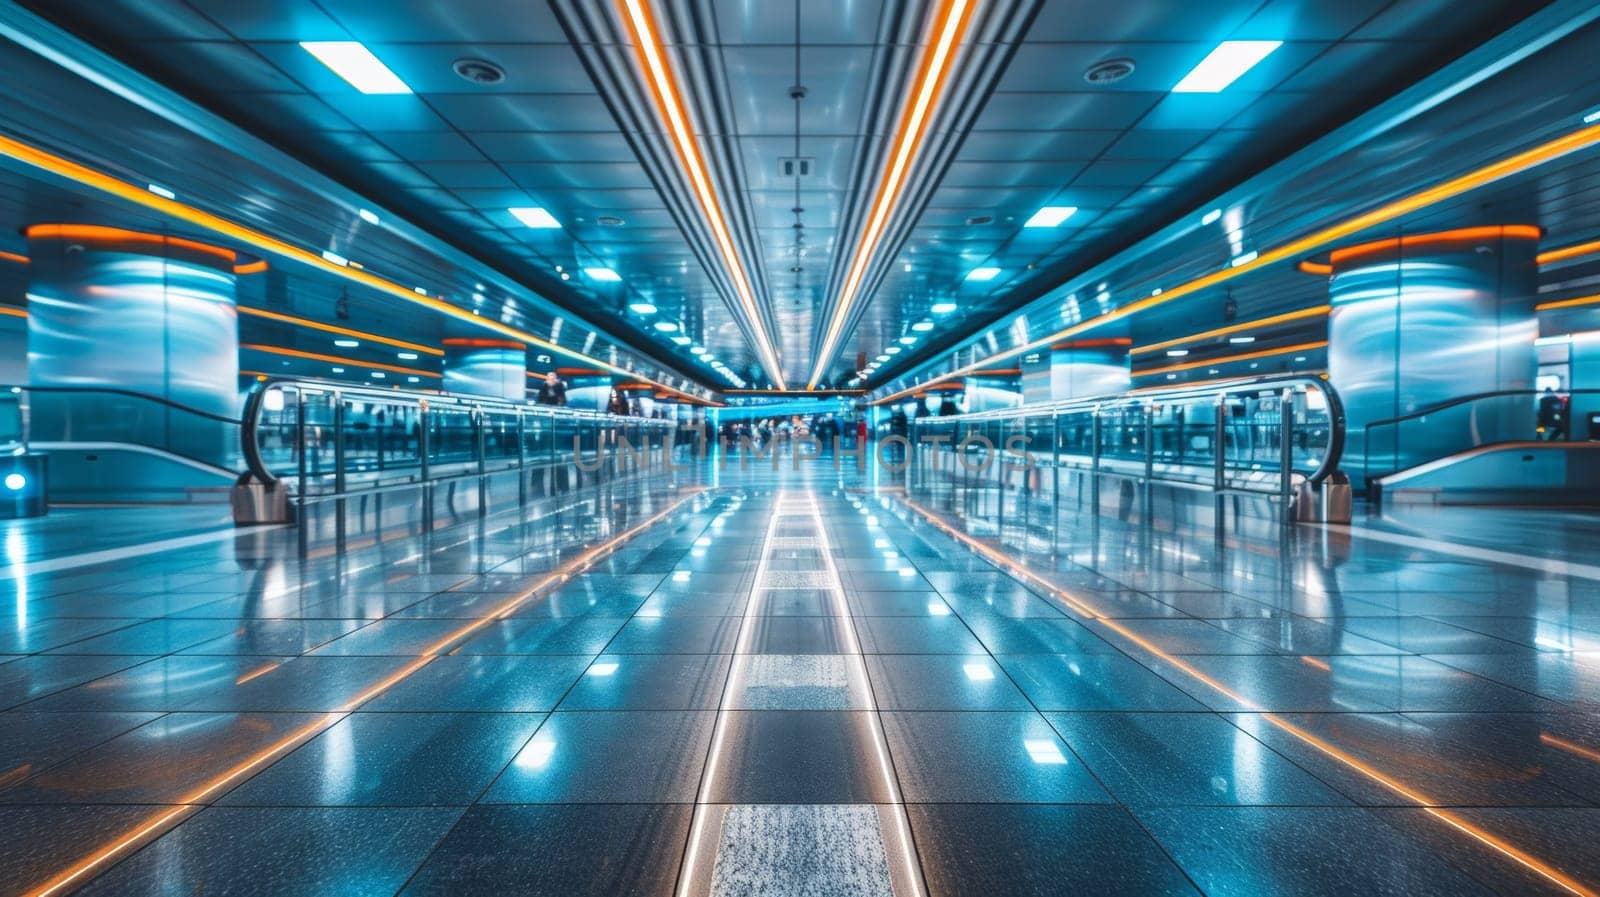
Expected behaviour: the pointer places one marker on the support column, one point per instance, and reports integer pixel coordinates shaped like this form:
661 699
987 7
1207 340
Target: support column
485 367
147 313
1090 367
1420 320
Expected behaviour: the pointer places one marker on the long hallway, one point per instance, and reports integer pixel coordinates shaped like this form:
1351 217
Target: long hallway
795 687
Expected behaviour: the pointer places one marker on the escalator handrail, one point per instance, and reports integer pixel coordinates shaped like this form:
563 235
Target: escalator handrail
1093 404
258 469
159 400
1463 400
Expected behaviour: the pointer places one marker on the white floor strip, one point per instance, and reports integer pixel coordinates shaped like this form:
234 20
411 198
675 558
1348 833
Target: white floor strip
107 555
1473 552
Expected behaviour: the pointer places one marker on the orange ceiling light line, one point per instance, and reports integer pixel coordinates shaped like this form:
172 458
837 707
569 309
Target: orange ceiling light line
255 267
1568 303
1458 235
1109 342
13 258
1317 311
1427 804
342 331
335 359
75 875
1567 252
140 196
1318 268
948 25
1517 163
1242 356
669 103
13 312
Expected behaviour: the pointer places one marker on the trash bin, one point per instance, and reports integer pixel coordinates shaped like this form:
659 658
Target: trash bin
1329 503
256 503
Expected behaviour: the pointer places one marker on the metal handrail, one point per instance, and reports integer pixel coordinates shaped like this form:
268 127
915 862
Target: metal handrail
1151 399
1457 402
479 409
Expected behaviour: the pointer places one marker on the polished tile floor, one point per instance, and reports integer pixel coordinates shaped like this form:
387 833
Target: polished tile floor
795 685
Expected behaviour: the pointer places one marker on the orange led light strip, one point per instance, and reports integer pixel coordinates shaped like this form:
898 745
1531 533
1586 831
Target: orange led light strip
334 359
1426 804
140 196
342 331
13 258
1304 313
1242 356
1567 303
1576 750
94 233
1583 138
949 23
1567 252
13 312
1459 235
647 39
191 803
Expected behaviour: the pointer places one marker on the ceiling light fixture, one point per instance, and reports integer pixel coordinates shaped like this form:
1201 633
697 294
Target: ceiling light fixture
534 217
922 326
1051 216
666 327
945 31
353 62
908 341
647 41
604 275
368 216
161 191
1211 217
335 258
983 274
642 308
942 308
1224 65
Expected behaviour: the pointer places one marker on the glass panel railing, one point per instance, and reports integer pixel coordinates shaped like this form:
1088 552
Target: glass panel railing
1231 436
325 438
1382 447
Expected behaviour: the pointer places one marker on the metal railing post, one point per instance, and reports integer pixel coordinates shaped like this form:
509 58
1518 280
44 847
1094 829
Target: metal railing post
1147 497
1286 451
1219 438
338 443
1095 431
522 458
422 441
300 440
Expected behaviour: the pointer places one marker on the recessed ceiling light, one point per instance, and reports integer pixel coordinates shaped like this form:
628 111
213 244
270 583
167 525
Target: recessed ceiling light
534 216
406 356
1177 353
353 62
681 340
161 191
1172 376
335 370
1241 339
1211 217
881 359
378 375
346 343
336 258
368 216
1224 65
1051 216
602 274
1592 117
413 379
892 350
708 358
697 350
420 291
1244 259
922 326
642 308
908 341
984 273
942 308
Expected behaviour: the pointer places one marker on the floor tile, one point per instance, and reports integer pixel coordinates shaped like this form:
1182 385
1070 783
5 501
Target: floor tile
635 756
979 757
798 757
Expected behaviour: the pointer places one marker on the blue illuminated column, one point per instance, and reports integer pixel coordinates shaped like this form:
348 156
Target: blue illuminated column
486 367
1424 319
144 313
1088 367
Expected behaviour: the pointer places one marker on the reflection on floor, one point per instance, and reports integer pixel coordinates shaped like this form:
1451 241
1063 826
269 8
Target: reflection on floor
791 685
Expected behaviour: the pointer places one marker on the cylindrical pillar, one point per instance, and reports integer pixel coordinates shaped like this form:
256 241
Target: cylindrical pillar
146 313
485 367
1420 320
